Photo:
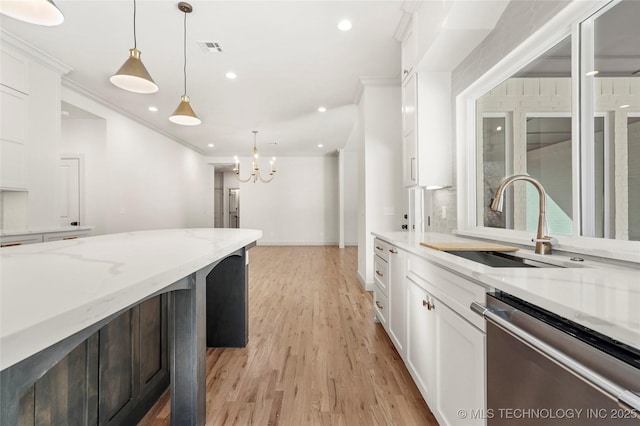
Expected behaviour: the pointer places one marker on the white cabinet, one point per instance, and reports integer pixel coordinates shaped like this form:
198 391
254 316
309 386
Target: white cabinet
13 138
421 338
40 237
398 300
459 367
66 235
408 51
381 281
446 354
427 135
19 240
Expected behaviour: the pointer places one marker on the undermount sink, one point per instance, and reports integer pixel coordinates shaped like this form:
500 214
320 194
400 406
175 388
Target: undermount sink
498 259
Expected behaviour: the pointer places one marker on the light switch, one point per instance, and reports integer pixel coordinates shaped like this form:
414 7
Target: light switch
443 212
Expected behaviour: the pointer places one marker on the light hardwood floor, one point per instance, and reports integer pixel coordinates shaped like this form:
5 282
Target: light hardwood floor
315 355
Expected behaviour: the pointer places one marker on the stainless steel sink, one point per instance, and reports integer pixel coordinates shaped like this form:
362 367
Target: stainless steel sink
497 259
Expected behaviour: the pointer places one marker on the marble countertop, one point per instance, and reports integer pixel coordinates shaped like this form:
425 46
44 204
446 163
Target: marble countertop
605 298
12 233
52 290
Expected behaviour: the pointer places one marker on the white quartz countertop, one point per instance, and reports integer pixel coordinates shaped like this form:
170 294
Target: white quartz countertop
604 298
52 290
12 233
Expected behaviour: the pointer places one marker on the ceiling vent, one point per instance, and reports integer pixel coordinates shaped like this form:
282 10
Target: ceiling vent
210 46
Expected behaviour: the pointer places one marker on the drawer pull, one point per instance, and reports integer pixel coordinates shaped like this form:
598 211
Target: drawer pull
379 305
69 238
11 244
378 248
378 273
428 304
394 251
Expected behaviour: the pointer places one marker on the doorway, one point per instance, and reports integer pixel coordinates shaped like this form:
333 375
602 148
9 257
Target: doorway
234 208
69 191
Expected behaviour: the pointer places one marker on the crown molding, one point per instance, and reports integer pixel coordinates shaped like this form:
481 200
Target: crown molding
33 52
373 82
93 96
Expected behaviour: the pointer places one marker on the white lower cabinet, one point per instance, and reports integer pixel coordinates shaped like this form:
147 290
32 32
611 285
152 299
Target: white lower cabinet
421 338
459 369
443 346
398 300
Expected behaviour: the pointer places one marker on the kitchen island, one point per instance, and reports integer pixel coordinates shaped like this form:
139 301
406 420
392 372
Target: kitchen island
56 297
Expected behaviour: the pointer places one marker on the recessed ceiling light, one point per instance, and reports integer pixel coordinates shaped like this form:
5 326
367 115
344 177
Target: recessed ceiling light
320 145
625 106
594 72
322 109
65 113
498 128
231 75
210 145
344 25
153 109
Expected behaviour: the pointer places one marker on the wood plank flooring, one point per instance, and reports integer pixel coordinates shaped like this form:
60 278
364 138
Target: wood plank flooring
315 355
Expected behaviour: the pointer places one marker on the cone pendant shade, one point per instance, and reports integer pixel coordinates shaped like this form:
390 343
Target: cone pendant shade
184 113
133 76
38 12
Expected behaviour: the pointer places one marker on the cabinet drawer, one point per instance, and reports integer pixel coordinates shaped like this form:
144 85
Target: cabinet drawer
381 274
19 240
457 292
381 248
381 306
69 235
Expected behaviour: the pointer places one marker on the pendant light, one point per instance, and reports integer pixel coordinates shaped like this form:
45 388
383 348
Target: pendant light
184 113
39 12
132 75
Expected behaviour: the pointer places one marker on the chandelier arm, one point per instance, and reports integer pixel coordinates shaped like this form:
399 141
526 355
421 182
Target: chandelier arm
266 180
243 180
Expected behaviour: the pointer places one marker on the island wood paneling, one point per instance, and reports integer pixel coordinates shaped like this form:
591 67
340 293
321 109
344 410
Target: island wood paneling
113 378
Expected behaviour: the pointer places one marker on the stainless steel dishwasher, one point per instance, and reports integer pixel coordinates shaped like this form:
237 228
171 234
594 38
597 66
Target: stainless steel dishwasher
546 370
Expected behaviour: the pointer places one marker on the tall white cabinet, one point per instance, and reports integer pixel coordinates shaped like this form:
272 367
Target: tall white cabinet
30 86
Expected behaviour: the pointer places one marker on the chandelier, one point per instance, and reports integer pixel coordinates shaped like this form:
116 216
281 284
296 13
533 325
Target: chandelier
255 172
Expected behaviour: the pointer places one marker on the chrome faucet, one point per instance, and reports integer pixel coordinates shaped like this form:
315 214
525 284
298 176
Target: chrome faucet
542 240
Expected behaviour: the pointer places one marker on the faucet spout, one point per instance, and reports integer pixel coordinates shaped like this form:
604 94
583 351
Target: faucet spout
542 240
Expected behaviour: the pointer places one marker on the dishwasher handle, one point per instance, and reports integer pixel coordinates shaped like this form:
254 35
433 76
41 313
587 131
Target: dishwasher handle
626 398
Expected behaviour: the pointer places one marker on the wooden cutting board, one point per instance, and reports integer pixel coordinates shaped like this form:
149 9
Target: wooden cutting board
468 246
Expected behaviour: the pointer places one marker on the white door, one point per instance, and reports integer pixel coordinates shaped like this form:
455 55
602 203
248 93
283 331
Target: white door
69 191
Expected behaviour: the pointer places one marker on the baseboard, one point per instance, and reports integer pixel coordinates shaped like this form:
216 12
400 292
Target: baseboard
367 286
297 243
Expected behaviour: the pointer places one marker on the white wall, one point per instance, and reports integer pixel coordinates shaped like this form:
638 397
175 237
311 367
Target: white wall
151 181
299 207
87 138
350 198
380 183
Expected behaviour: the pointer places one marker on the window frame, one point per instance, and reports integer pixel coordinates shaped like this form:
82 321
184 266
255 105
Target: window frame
566 23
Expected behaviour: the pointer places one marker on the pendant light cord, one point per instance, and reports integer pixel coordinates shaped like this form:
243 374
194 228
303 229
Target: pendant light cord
135 42
184 47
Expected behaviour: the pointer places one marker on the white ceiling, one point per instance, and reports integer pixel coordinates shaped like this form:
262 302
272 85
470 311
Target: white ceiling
289 56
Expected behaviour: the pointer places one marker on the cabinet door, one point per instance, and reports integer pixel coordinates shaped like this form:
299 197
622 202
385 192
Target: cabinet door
154 365
13 138
398 300
420 339
119 386
410 160
460 367
408 52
